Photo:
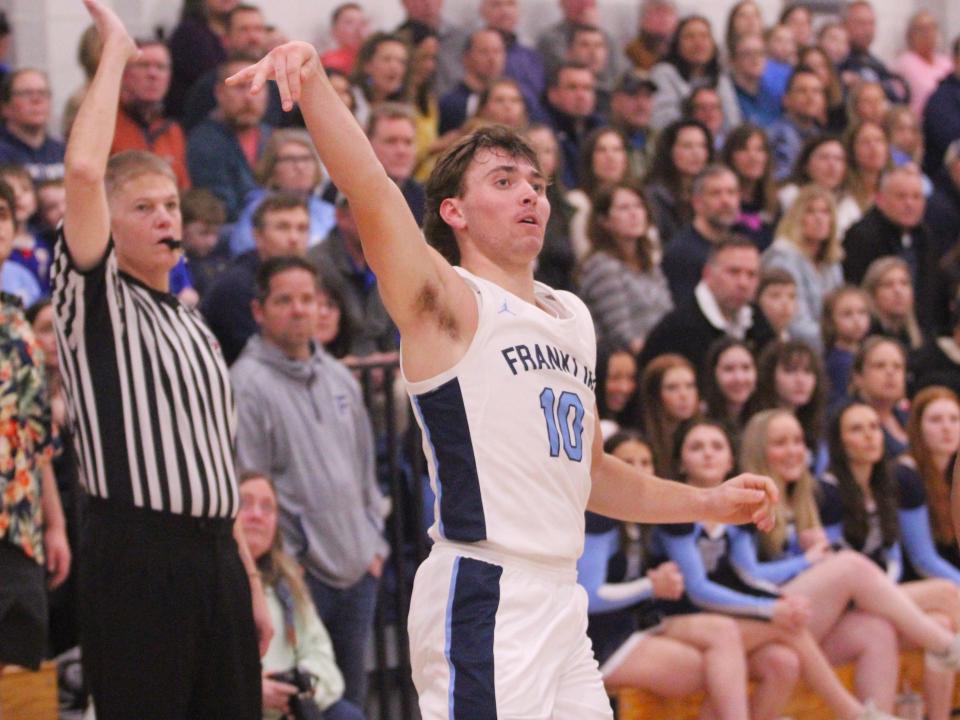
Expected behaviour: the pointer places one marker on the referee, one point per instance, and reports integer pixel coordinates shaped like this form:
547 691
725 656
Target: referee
170 609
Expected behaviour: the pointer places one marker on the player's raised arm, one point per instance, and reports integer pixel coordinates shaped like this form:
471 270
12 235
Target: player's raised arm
87 218
393 245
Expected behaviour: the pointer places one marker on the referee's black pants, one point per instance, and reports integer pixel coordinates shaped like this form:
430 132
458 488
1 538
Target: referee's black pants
166 622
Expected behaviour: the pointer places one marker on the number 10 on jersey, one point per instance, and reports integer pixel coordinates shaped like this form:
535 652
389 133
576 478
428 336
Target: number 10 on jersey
564 416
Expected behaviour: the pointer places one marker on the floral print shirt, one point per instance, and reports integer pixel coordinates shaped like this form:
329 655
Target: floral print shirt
24 430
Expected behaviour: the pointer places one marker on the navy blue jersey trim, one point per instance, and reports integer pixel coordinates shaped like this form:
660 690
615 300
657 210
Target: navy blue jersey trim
447 431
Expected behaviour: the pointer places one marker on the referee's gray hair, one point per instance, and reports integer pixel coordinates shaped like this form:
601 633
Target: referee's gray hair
131 164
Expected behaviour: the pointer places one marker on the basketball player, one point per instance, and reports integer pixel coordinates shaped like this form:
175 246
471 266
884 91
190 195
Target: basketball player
500 370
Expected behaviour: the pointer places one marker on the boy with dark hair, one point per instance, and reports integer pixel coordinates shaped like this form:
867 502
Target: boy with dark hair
206 252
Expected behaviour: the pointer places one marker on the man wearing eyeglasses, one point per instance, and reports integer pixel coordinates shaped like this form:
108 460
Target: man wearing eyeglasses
142 123
141 120
24 140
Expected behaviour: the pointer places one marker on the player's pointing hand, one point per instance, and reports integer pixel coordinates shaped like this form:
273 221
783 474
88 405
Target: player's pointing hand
290 65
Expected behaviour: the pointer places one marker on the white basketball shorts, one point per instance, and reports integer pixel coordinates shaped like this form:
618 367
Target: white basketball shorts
495 637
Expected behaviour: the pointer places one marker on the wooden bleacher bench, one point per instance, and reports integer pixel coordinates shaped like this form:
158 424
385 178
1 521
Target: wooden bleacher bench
805 705
27 695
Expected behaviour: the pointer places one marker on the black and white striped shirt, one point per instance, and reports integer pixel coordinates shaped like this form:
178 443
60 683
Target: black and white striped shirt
148 392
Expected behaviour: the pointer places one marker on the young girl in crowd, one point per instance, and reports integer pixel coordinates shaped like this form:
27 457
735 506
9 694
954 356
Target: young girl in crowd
823 162
924 475
620 279
668 396
777 300
879 379
729 380
747 152
889 286
808 247
704 552
790 376
28 251
845 323
684 148
300 640
635 648
861 508
603 161
616 388
794 554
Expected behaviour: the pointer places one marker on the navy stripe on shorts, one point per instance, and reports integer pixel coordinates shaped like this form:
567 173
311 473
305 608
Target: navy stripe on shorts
470 622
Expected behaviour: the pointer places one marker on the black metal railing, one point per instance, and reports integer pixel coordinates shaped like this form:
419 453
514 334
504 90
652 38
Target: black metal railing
402 474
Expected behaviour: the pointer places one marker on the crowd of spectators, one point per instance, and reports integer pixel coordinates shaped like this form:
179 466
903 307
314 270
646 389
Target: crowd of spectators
766 222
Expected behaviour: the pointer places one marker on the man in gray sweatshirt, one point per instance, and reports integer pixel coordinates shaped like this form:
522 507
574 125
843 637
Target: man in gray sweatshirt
303 423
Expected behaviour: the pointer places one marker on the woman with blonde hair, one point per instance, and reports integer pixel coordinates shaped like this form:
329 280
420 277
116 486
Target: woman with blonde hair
807 246
890 288
290 164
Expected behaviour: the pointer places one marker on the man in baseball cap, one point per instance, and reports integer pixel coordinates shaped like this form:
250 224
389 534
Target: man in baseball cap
630 107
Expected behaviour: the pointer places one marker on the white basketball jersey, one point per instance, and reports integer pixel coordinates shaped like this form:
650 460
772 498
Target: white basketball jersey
508 431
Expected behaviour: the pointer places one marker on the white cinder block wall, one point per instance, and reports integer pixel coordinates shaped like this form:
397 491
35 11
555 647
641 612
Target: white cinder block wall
46 31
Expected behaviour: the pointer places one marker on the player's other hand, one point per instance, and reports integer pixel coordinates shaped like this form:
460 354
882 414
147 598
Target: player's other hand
667 581
290 65
744 499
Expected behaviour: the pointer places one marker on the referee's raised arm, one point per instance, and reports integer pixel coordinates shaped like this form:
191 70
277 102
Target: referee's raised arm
87 218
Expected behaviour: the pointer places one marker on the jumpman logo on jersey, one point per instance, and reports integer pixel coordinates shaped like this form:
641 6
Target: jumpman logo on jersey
505 309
